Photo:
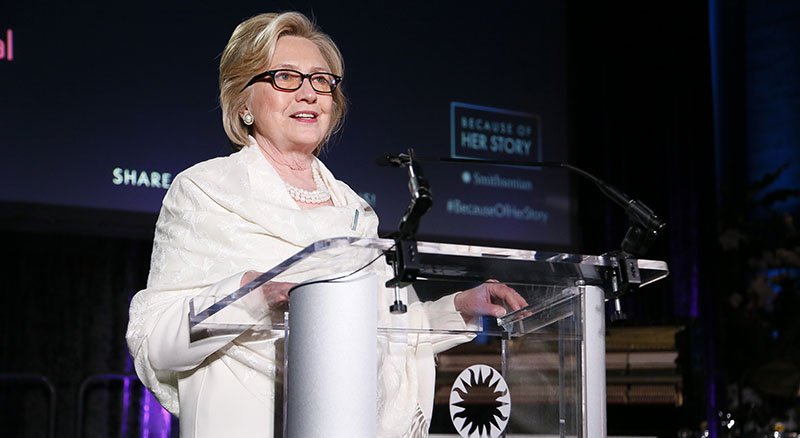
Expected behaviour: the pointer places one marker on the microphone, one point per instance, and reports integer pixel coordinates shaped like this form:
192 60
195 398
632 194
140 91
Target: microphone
645 224
393 160
421 199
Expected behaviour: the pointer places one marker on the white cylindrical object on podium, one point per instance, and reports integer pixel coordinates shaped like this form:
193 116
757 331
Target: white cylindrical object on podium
594 361
332 367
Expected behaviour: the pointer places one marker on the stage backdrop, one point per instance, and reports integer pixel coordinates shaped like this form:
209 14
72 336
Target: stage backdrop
105 103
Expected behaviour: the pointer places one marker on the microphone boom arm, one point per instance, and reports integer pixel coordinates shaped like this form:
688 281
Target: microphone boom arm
404 258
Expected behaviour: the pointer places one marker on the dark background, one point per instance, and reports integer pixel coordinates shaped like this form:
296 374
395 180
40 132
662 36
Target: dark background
136 88
688 106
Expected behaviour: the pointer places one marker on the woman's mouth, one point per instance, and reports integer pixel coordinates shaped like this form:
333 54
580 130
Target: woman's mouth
305 116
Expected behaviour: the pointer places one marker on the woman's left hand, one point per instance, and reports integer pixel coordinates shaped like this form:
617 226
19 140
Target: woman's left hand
491 298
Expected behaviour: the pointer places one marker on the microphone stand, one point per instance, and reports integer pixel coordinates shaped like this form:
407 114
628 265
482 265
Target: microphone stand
404 258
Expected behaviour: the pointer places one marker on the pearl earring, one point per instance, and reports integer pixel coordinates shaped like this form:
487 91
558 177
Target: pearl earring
247 118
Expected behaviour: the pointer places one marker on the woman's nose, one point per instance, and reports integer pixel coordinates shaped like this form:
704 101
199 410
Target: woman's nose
306 92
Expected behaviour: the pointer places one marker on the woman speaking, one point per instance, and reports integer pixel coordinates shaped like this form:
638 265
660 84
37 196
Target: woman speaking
224 219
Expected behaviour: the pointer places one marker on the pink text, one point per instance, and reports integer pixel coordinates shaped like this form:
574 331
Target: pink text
7 46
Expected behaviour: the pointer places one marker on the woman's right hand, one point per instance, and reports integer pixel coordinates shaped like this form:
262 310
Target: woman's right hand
275 293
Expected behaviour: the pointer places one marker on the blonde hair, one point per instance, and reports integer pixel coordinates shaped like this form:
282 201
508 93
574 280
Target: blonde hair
249 52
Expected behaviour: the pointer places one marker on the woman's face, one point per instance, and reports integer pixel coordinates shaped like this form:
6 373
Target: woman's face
292 121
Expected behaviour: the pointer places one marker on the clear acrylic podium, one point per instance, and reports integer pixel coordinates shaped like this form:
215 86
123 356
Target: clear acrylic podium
547 375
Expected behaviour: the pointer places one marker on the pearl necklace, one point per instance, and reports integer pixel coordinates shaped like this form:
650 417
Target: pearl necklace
316 196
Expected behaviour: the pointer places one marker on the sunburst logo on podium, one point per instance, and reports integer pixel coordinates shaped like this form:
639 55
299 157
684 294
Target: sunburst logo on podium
480 404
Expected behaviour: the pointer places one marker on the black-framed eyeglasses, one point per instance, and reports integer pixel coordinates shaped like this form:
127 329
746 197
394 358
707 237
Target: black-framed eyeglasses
291 80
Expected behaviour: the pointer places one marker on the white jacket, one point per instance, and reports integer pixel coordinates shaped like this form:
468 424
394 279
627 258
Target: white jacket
219 219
